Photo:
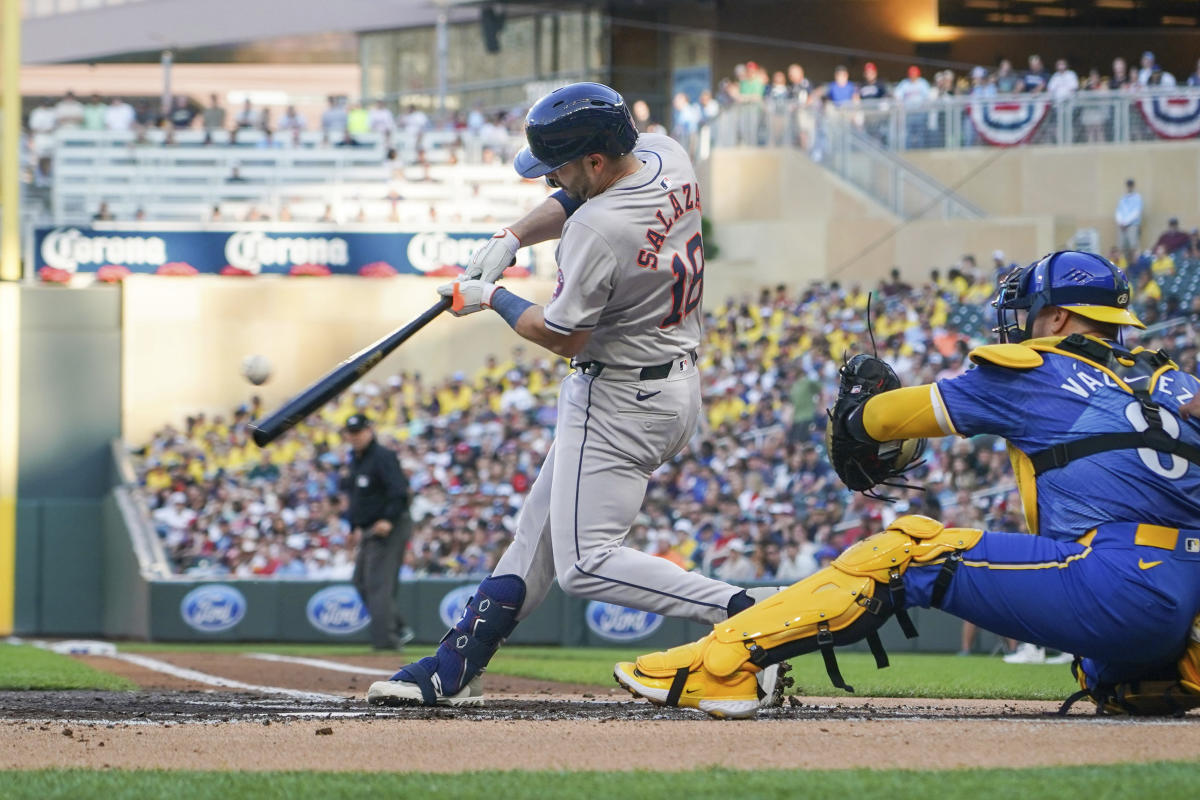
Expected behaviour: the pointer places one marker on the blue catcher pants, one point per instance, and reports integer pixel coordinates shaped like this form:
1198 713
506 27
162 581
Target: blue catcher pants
1122 599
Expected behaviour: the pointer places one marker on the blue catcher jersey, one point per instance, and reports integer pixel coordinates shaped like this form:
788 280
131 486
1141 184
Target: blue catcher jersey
1068 398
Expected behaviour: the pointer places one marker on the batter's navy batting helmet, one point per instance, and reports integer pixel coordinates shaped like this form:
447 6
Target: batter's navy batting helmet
1083 283
570 123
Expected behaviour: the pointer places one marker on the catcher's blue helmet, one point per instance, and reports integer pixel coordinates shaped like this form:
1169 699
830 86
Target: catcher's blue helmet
570 123
1083 283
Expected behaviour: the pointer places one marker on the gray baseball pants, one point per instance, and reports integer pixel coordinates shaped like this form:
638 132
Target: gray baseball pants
614 430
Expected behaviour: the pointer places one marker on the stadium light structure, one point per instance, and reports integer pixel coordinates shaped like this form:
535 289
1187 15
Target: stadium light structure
10 139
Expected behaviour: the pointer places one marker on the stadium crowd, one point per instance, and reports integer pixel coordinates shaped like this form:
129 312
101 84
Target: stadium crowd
339 124
753 498
405 137
758 106
753 106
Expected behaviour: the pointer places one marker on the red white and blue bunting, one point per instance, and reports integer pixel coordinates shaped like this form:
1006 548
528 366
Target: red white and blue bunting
1171 117
1005 123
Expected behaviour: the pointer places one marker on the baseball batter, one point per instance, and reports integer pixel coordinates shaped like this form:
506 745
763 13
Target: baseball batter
627 311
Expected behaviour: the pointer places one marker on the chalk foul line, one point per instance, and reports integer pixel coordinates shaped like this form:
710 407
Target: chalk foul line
321 663
226 683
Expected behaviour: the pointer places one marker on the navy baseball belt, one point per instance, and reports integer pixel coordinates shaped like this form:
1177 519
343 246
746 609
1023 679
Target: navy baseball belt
655 373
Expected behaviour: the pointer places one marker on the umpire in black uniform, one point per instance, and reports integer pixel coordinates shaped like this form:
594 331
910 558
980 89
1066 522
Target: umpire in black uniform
378 494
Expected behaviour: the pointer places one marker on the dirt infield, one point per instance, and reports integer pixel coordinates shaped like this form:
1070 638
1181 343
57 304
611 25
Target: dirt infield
175 722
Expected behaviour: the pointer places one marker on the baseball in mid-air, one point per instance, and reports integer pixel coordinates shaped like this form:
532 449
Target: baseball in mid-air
256 369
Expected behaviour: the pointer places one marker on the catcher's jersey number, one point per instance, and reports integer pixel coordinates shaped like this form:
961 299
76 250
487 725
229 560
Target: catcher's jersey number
1152 458
688 289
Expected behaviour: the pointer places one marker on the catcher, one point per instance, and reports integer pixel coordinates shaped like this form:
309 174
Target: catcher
1109 477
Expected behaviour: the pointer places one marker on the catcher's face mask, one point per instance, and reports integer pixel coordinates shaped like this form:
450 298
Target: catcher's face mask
1010 327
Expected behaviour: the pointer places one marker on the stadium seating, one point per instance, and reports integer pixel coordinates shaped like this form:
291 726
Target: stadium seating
182 179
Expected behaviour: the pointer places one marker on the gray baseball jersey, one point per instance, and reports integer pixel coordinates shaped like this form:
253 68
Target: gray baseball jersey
631 272
631 263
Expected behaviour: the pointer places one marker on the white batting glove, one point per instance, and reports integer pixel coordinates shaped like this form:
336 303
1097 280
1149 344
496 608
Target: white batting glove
468 296
490 261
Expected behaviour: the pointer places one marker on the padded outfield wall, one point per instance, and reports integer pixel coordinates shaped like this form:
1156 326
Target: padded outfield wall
314 611
69 410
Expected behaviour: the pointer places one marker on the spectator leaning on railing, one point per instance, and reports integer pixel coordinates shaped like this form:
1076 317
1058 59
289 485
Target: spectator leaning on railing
333 119
841 90
381 120
1063 83
68 112
292 121
871 87
1035 78
213 117
93 114
1147 76
914 92
1120 75
1007 80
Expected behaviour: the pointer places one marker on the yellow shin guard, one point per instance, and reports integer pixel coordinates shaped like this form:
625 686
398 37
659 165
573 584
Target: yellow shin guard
842 603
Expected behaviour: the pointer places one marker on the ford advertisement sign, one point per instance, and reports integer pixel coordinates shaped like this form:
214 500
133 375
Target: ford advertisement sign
453 604
84 249
619 624
213 608
337 610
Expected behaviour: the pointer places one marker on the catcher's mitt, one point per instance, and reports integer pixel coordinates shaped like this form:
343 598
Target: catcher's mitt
861 462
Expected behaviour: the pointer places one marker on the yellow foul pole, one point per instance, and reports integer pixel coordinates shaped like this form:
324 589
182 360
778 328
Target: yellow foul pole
10 299
10 319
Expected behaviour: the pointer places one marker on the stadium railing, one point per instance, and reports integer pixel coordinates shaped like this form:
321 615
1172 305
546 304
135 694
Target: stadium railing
1145 114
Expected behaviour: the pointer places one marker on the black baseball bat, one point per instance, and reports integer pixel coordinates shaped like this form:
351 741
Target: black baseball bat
338 379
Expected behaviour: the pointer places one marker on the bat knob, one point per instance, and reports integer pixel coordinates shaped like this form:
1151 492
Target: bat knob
260 437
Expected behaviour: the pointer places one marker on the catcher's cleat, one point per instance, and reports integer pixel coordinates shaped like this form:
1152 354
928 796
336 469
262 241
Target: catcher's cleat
734 697
404 693
1168 691
772 682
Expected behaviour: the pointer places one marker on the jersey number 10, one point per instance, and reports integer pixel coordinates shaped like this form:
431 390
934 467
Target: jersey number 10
688 288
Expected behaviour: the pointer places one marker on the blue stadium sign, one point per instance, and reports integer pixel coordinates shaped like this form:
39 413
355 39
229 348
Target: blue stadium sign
213 608
257 251
337 610
454 603
620 624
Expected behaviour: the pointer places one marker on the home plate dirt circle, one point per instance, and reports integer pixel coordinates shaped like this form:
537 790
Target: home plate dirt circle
323 724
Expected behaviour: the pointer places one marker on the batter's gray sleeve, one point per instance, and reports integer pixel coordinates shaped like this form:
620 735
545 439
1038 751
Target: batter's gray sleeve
588 267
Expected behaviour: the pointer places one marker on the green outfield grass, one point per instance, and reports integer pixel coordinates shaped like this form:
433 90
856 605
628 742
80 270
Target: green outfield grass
911 674
1159 780
24 667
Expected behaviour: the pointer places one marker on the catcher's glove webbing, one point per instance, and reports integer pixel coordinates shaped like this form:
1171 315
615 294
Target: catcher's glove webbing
861 462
